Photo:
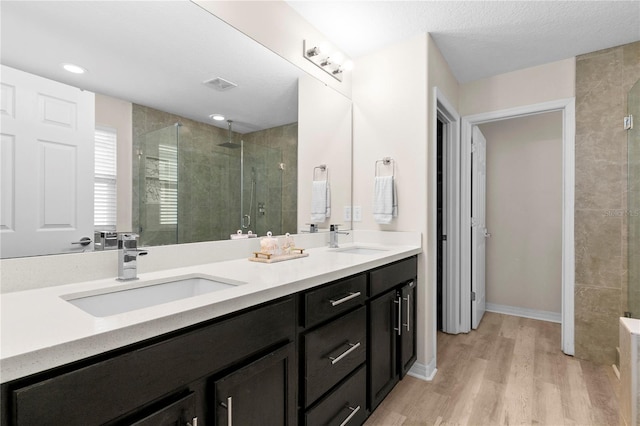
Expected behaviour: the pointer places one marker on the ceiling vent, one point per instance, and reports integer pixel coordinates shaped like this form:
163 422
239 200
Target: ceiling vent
220 84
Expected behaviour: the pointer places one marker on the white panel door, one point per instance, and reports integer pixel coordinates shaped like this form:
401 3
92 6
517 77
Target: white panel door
479 228
47 141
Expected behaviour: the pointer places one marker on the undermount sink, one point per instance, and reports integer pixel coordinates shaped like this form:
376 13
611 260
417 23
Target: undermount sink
360 250
118 300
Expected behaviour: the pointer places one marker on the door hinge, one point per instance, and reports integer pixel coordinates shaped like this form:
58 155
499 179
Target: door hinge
473 222
628 122
473 147
473 296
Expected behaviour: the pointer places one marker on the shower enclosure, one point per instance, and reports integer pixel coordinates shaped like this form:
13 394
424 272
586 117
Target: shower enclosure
196 183
633 201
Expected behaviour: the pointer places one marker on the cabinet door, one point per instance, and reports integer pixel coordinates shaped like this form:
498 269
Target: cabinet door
408 334
179 413
261 393
383 334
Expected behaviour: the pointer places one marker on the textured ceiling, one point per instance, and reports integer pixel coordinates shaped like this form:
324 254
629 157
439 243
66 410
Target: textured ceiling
479 38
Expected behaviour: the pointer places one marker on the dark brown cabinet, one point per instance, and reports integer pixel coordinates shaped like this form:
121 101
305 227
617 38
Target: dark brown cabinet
127 385
346 406
327 355
333 353
392 331
383 320
179 413
407 346
262 393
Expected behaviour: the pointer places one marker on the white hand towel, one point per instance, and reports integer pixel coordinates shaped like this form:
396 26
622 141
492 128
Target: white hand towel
320 201
385 202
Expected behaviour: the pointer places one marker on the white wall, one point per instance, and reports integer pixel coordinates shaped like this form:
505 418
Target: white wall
116 114
390 120
392 95
552 81
323 138
524 212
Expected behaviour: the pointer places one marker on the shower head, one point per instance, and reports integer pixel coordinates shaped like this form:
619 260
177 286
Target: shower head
229 143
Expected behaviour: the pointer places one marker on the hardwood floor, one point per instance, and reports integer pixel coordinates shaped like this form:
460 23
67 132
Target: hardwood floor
510 371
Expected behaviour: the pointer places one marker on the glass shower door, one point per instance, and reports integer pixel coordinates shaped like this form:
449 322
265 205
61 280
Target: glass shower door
633 201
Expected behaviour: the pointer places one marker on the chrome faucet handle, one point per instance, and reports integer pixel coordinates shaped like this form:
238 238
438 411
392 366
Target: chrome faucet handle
127 256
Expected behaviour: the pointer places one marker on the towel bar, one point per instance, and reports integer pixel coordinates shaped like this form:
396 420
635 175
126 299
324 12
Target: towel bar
386 161
322 168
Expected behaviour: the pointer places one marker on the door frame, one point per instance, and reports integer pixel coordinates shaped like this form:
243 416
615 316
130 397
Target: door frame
451 306
567 107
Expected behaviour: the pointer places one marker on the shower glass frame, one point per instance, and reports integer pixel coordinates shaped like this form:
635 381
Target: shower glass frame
632 214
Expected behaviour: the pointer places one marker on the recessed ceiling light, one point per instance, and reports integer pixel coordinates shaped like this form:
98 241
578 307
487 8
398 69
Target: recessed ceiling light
217 117
76 69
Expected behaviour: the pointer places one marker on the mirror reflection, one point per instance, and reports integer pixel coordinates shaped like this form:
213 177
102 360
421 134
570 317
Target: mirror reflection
160 71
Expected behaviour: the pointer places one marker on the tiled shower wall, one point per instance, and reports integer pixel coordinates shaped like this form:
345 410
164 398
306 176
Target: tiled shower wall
209 177
603 79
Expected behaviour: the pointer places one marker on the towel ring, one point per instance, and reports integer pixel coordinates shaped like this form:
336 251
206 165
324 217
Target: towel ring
386 161
322 168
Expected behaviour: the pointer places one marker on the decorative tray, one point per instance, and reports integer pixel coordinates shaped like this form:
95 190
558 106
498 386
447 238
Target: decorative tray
273 258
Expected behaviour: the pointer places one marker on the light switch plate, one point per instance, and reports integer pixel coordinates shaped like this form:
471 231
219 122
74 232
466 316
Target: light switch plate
357 213
347 213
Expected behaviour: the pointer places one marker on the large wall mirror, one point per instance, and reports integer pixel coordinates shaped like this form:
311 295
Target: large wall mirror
158 73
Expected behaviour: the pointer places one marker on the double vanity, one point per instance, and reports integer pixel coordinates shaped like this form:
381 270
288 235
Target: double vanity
315 340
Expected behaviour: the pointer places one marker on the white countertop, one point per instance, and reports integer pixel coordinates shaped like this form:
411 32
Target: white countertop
40 330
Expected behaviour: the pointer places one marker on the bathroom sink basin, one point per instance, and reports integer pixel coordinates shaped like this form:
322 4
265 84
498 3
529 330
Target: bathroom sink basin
122 299
360 250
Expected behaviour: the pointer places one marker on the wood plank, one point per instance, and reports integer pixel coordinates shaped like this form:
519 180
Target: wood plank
525 379
518 404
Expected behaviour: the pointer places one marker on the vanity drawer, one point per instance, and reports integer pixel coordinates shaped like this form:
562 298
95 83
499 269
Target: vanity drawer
340 296
332 352
387 277
345 405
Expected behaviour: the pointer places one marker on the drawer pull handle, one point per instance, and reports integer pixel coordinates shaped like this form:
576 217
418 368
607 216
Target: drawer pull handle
398 302
353 347
408 299
353 413
351 295
229 407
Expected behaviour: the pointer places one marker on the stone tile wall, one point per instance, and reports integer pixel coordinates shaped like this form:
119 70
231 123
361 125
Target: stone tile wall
209 178
603 79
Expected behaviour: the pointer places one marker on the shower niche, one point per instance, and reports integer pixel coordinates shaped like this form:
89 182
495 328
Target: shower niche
197 182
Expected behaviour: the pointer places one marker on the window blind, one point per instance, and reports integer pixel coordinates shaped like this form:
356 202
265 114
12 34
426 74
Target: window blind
105 179
168 175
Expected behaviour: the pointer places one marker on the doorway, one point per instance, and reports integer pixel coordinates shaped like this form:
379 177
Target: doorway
567 108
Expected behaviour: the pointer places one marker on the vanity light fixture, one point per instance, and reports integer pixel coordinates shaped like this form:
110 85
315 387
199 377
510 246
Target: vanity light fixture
73 68
314 51
319 57
217 117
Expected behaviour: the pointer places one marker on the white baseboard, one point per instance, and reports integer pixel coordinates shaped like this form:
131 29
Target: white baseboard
526 313
423 372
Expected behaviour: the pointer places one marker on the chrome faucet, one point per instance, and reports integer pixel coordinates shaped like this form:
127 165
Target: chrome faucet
313 228
333 236
128 253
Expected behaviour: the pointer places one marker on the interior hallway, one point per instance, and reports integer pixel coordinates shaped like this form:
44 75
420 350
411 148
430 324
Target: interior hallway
509 371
